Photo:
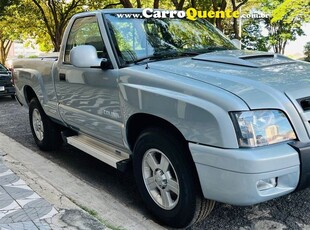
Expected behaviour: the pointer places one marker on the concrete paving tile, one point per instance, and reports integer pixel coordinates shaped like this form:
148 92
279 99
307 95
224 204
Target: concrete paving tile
6 205
19 226
8 179
40 212
17 192
42 225
33 196
6 172
4 195
52 213
18 183
33 203
3 168
21 186
5 200
13 216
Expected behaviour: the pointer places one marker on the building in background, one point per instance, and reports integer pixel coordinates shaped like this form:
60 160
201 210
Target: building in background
19 50
295 49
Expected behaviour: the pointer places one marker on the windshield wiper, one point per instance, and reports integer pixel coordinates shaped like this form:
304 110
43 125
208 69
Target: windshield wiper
142 59
166 54
175 54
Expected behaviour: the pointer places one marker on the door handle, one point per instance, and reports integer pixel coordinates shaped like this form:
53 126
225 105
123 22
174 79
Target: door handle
62 77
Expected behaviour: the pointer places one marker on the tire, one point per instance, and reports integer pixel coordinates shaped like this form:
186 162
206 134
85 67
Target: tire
166 179
13 97
45 132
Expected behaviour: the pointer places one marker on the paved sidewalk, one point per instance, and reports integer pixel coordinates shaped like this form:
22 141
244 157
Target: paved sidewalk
20 206
67 193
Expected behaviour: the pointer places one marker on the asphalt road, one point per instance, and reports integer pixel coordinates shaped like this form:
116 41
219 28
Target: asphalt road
289 212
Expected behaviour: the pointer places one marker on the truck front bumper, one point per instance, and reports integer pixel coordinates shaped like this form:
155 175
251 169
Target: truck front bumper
250 176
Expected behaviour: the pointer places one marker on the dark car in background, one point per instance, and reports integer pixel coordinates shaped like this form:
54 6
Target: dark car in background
6 86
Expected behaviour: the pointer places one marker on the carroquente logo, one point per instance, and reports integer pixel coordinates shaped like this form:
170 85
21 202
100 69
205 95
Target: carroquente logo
190 13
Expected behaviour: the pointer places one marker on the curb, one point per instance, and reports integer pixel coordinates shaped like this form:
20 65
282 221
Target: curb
67 192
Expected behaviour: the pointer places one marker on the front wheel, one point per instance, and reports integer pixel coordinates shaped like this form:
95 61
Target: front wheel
165 177
45 132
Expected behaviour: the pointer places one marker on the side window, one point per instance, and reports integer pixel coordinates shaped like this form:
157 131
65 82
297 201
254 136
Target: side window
85 31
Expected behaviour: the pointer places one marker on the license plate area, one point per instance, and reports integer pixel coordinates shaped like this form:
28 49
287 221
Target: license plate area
2 88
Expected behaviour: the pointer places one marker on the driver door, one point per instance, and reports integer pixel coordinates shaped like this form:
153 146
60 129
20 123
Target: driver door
88 97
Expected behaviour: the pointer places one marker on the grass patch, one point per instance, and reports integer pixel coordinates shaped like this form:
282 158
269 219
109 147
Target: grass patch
94 213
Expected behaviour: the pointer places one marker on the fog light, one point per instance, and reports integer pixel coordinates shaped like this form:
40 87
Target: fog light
267 184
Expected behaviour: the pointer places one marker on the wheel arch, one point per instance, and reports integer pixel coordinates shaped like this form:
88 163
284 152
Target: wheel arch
141 121
29 94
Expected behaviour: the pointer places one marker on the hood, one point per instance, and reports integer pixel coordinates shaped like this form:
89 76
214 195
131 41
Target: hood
258 78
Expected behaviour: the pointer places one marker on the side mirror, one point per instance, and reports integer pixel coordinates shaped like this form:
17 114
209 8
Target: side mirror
237 43
106 64
85 56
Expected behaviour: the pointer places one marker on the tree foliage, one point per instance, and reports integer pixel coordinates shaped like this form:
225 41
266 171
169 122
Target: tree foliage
4 4
284 29
55 16
252 37
8 31
289 10
45 20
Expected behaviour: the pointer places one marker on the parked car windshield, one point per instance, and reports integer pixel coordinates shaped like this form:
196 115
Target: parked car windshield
137 39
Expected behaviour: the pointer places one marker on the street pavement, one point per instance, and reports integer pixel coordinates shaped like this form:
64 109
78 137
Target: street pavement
70 173
59 177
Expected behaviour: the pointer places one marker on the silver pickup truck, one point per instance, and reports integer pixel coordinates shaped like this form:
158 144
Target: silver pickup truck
199 120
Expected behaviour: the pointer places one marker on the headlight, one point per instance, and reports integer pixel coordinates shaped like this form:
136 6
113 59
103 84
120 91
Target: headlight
262 127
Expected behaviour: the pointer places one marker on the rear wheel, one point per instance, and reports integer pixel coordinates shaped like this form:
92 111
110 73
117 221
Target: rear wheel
166 180
45 132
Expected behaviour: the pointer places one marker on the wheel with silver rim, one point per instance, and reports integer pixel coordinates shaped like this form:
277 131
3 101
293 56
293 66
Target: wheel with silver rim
160 179
45 132
37 124
166 178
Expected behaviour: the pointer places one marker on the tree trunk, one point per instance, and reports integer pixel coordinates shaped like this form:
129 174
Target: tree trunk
126 3
276 48
2 59
156 4
283 47
193 4
5 46
219 6
235 20
218 24
55 17
236 28
178 5
57 44
111 5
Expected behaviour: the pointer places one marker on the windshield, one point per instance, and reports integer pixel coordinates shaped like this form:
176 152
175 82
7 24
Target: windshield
139 39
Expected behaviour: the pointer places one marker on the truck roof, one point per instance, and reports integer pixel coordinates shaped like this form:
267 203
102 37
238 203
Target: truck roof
113 11
121 10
